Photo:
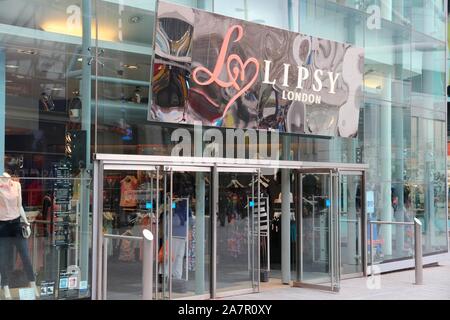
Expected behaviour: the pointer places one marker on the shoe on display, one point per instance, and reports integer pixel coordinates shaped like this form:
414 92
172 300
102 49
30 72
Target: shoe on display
7 293
36 290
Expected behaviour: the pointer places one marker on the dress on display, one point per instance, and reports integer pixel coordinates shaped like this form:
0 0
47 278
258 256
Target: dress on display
128 188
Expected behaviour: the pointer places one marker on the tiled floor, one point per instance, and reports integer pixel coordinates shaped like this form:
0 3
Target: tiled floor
391 286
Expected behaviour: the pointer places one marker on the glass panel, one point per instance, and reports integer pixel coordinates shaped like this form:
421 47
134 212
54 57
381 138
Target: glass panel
428 17
52 253
350 210
316 215
124 73
236 226
187 221
400 236
129 206
272 185
40 47
327 20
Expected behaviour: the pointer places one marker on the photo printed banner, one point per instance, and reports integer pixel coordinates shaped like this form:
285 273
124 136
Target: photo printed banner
224 72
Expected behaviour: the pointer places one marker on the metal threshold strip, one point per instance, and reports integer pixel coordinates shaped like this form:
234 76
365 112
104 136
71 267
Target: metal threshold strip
133 160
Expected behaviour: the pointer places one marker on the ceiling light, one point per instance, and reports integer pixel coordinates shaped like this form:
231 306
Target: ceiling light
62 27
26 51
19 76
130 66
11 66
80 59
57 89
8 81
135 19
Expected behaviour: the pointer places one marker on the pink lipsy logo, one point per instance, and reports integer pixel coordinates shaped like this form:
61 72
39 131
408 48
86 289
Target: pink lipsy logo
238 72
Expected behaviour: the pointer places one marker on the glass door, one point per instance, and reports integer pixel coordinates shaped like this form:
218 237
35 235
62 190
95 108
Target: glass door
129 204
350 222
317 230
237 230
184 246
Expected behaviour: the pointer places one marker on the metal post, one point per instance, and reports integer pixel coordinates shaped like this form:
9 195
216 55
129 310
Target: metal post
86 126
214 210
2 106
105 268
187 240
371 247
97 232
253 234
418 251
147 272
285 215
299 184
170 232
157 232
258 226
200 192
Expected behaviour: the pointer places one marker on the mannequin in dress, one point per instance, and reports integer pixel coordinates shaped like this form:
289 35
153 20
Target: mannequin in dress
11 212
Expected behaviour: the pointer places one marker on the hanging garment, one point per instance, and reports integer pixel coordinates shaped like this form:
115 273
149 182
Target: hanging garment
111 194
126 251
128 188
34 193
192 248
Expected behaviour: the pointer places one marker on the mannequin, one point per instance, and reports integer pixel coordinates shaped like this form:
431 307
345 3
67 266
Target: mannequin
11 213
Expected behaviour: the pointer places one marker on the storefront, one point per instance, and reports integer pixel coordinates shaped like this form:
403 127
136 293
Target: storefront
254 139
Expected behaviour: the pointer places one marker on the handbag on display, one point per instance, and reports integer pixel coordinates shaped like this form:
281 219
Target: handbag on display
24 224
26 230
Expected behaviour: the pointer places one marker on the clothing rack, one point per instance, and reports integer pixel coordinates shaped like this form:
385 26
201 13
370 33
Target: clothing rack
235 184
187 233
262 180
262 210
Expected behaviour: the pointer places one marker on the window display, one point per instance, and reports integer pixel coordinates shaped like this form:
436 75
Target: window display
12 216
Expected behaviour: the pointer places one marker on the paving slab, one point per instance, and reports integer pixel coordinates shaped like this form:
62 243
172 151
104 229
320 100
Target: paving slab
397 285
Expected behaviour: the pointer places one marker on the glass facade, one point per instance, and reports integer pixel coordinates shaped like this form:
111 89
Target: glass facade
76 79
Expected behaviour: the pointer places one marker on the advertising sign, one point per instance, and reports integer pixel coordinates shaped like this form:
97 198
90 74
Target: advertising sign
224 72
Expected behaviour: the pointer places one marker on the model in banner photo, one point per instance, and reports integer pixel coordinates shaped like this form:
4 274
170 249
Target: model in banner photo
225 72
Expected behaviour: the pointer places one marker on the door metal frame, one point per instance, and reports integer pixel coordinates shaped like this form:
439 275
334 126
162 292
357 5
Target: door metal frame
255 261
100 166
202 164
363 220
334 226
333 233
98 254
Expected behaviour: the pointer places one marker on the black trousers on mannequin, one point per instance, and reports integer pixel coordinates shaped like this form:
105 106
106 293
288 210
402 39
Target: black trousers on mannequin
10 237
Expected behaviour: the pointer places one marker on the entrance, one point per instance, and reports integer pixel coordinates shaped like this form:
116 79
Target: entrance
211 224
237 230
193 255
351 223
330 212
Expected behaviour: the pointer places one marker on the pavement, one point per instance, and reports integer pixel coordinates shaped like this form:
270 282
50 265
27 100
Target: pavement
397 285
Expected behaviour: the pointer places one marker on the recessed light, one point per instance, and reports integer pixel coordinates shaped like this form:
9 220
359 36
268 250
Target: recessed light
135 19
26 51
57 89
80 59
130 66
11 66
